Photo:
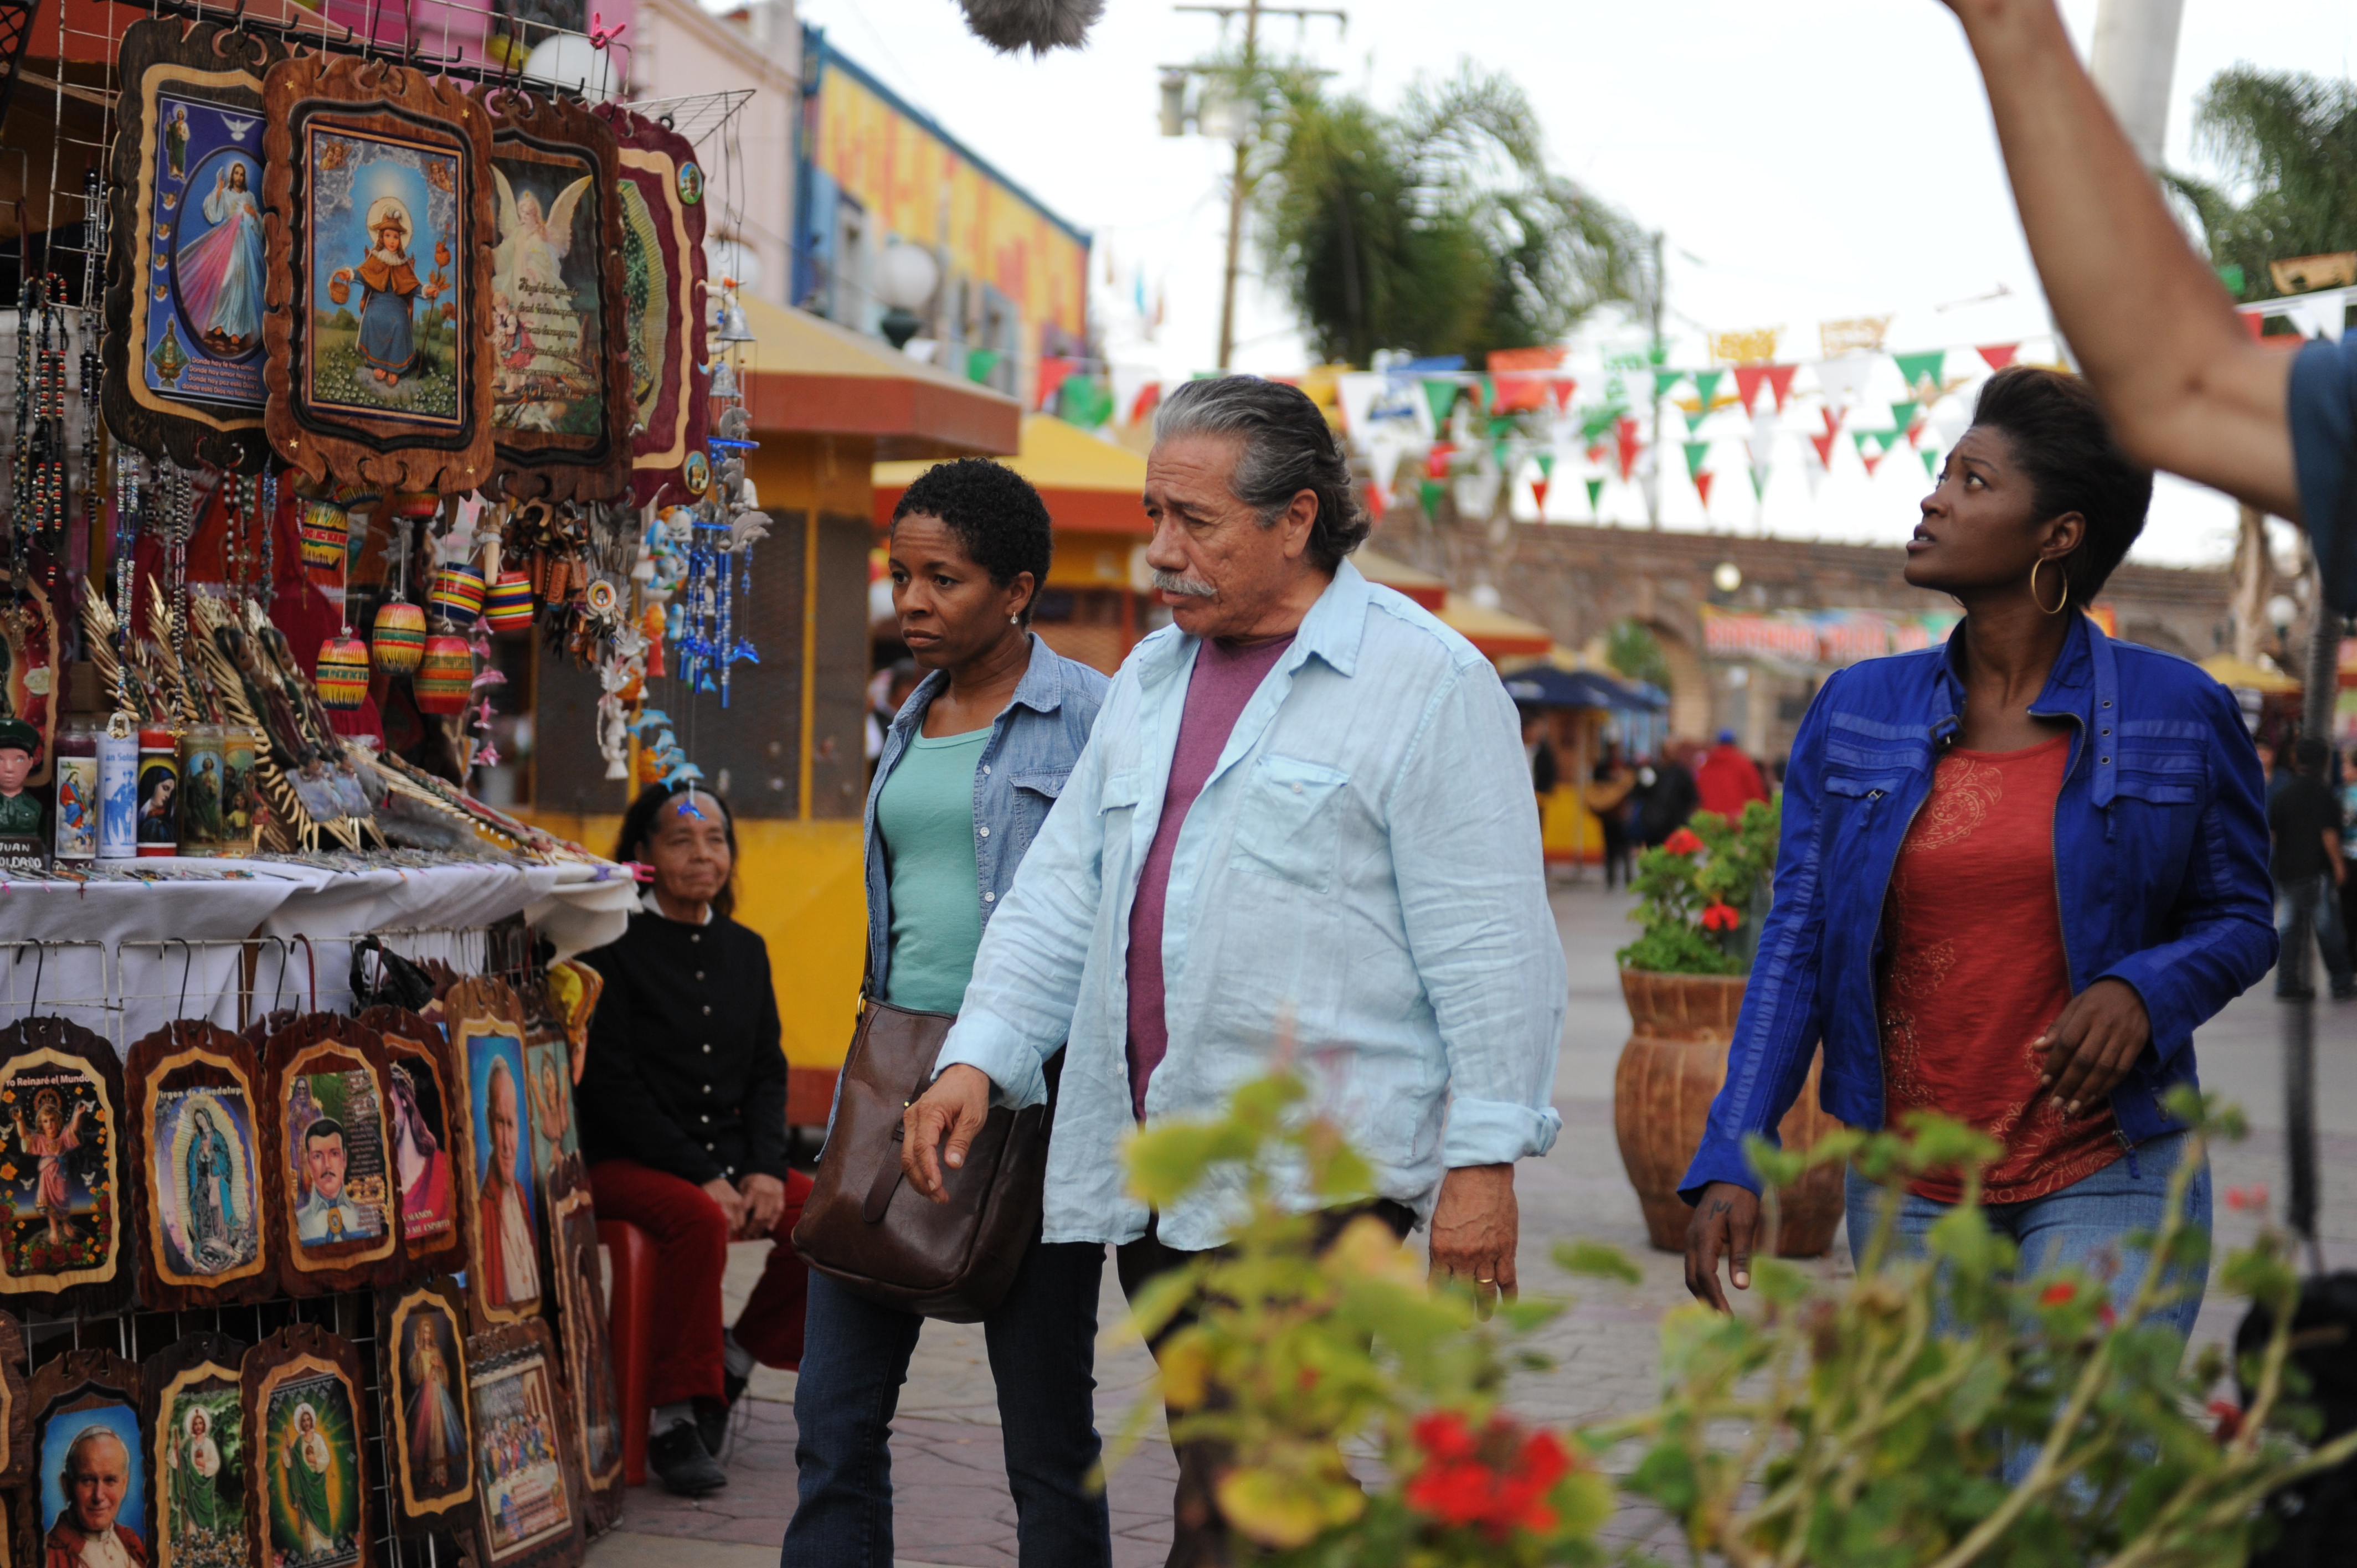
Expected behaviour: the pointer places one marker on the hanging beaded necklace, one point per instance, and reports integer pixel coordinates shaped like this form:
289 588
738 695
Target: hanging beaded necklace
39 496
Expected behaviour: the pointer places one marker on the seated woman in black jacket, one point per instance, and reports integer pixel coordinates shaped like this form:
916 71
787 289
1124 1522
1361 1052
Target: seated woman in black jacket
683 1106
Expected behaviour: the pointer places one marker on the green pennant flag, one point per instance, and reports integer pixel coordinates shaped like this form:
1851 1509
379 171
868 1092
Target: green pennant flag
1930 462
1759 483
1902 414
1485 394
1863 438
1705 384
1429 492
1498 451
1595 493
1502 424
1546 464
1664 379
1693 421
1441 397
1696 451
1084 401
1918 369
1597 421
980 363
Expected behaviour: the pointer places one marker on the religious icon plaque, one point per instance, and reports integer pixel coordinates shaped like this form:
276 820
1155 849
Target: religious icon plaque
85 1417
580 1299
530 1514
429 1150
664 279
306 1420
421 1344
61 1242
198 1451
326 1142
195 1139
501 1189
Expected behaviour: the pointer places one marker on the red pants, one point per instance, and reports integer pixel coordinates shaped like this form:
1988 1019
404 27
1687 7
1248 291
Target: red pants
691 1238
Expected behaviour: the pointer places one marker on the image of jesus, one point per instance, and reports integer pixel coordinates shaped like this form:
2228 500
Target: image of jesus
305 1465
196 1464
55 1138
221 272
389 283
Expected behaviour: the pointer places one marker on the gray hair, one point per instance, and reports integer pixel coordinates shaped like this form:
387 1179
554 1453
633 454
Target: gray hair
1287 448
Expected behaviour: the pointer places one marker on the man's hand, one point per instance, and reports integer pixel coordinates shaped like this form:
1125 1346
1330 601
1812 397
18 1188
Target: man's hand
765 1199
1726 1221
2092 1044
939 1128
1474 1229
732 1204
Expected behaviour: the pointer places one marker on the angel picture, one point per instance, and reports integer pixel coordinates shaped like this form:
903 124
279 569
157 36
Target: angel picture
533 243
544 304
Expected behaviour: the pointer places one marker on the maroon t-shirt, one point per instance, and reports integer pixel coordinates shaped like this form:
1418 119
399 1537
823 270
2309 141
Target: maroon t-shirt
1226 675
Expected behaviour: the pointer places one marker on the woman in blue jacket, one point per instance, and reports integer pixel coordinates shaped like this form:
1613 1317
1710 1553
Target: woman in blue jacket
2017 873
971 766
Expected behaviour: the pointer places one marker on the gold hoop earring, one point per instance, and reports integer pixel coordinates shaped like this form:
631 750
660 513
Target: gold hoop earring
2033 589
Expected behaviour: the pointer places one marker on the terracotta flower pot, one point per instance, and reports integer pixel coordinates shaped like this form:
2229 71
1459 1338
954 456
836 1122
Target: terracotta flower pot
1670 1070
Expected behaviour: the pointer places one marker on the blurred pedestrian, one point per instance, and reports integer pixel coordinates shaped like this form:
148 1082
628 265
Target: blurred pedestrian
1727 780
1668 798
2304 817
1539 751
2033 834
1607 797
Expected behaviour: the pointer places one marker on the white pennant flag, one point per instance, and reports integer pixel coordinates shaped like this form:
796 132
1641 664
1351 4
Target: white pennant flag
2324 317
1844 380
1384 455
1762 440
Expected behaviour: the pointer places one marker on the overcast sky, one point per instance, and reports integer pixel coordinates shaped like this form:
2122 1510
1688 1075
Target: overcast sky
1807 159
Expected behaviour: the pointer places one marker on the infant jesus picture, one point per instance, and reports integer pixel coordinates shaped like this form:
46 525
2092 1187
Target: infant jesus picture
388 280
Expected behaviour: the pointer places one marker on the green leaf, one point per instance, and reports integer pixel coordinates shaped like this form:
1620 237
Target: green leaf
1596 1260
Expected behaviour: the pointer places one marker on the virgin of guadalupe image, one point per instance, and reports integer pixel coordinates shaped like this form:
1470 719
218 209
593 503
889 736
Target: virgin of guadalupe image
49 1140
221 272
214 1224
389 283
306 1472
199 1508
437 1433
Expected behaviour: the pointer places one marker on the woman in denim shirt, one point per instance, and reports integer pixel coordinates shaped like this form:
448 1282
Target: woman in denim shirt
973 763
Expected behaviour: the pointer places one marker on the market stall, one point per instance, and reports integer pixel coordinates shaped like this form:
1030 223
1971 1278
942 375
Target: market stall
353 384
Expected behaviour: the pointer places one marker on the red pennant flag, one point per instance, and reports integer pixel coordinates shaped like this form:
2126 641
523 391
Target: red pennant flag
1873 462
1999 355
1517 391
1435 461
1596 452
1780 382
2254 323
1377 502
1824 445
1538 493
1560 389
1746 383
1054 371
1915 431
1149 398
1702 487
1625 434
1832 422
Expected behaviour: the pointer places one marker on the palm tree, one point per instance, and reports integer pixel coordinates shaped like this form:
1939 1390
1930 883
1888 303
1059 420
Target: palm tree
1437 228
2287 140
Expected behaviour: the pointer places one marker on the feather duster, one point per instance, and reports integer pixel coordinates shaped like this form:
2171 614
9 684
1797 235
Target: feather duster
1036 25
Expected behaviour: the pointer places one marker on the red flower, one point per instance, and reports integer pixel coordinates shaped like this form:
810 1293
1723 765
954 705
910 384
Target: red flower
2106 1316
2253 1197
1683 842
1721 918
2230 1419
1442 1435
1458 1488
2062 1292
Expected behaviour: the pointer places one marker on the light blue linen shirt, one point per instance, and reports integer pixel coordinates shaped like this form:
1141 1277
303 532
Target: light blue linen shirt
1360 884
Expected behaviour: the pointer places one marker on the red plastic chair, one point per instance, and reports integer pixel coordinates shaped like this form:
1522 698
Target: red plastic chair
630 1327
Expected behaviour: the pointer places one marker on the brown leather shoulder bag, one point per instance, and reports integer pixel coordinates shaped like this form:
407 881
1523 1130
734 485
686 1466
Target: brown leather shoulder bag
867 1228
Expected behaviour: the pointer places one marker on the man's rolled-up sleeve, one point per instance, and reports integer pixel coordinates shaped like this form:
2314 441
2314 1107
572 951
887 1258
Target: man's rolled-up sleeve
1027 973
1472 884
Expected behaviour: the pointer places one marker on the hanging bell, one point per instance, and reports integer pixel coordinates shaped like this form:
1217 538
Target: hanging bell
733 328
724 380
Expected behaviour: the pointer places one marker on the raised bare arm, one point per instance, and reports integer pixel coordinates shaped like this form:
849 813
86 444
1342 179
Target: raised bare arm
2150 325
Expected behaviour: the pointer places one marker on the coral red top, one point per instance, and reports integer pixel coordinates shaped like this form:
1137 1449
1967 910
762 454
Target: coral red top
1975 970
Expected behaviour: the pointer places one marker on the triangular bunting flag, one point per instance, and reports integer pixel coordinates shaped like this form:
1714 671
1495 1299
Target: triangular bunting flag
1759 483
1560 389
1664 379
1902 414
1693 421
1538 495
1824 445
1702 487
1485 395
1594 453
1625 437
1696 453
1815 473
1999 355
1931 462
1915 430
1384 461
1871 463
1844 379
1832 419
1441 397
1429 493
1435 461
1746 384
1517 390
1595 494
1500 425
1707 386
1864 438
1780 382
1053 371
1376 504
1546 463
1921 371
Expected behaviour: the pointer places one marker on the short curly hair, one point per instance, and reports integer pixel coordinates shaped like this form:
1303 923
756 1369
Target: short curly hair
2064 443
995 514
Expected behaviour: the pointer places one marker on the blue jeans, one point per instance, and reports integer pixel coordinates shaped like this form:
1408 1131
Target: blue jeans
1042 1343
2322 895
2083 1225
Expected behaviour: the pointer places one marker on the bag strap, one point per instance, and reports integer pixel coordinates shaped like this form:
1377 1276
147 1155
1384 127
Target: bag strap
888 1176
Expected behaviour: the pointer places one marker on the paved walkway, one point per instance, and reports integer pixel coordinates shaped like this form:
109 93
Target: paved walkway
952 1507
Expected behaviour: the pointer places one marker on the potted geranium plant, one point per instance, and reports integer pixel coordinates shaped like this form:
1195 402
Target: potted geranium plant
1702 895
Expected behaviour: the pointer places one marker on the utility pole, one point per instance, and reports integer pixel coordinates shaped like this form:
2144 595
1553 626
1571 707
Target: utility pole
2133 60
1240 180
1654 354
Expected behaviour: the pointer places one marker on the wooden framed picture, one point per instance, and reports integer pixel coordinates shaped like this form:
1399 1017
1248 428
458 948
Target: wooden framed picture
379 368
548 1082
530 1512
15 1411
195 1138
430 1153
422 1341
501 1193
193 1419
89 1498
561 414
579 1297
326 1142
186 263
61 1242
661 199
31 681
307 1490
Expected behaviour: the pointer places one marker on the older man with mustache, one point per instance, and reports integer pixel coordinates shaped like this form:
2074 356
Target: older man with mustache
1303 822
